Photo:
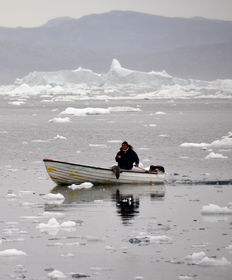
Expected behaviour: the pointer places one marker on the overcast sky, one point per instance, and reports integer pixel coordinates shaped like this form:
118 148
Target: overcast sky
37 12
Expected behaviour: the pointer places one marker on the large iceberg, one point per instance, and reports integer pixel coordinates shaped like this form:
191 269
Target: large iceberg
116 75
118 82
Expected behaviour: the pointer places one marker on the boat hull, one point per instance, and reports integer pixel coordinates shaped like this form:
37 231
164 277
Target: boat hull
64 173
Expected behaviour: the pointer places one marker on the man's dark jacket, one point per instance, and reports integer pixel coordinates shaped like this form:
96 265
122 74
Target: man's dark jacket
128 158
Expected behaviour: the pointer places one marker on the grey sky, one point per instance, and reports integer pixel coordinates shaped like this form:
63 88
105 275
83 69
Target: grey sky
37 12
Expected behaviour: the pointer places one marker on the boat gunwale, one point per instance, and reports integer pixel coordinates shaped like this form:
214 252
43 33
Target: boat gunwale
101 168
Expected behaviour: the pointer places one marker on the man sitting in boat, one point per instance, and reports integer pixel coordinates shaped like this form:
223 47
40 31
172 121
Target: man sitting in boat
127 157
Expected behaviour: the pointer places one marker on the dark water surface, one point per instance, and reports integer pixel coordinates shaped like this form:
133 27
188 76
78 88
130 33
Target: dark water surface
121 232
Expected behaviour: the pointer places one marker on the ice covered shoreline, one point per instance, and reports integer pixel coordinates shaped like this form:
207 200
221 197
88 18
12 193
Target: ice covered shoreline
117 83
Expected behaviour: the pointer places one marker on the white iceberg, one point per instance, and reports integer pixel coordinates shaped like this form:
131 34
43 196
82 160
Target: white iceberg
53 226
85 185
215 155
118 82
56 274
85 111
225 141
200 258
213 209
12 253
60 120
53 196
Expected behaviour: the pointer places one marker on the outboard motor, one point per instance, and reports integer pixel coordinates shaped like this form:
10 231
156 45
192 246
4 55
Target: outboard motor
156 169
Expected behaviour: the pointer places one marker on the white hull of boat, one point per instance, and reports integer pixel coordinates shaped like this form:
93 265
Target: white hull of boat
70 173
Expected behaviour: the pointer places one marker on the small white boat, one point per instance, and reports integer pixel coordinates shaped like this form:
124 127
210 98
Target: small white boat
65 173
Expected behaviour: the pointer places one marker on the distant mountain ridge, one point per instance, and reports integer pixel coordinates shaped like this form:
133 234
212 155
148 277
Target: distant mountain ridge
189 48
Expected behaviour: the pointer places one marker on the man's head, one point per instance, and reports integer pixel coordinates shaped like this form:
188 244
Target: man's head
125 146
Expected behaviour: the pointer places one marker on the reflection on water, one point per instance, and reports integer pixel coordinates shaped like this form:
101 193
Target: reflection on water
127 205
127 198
105 192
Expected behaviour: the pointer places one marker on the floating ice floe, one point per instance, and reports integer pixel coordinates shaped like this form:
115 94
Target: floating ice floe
97 111
85 111
144 238
60 120
201 259
186 277
229 247
198 145
97 268
160 113
85 185
56 274
114 141
110 248
57 137
118 82
52 227
98 145
16 103
225 141
213 209
124 109
52 197
12 253
213 155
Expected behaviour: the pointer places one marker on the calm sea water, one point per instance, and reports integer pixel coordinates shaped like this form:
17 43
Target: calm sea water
148 240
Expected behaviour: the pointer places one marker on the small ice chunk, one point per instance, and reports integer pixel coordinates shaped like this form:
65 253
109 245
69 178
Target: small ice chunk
68 224
60 120
160 113
52 196
109 248
85 111
198 145
56 274
144 238
52 223
59 137
213 209
12 252
214 155
200 258
224 141
124 109
85 185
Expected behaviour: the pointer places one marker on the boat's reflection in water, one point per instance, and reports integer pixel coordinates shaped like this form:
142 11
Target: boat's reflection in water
127 198
127 205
